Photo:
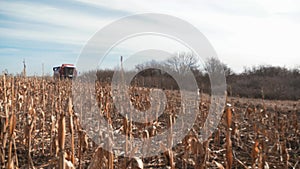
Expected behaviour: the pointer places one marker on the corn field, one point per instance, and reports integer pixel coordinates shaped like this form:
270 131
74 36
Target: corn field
39 128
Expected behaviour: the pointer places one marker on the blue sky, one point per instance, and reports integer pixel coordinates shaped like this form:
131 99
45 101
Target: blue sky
243 32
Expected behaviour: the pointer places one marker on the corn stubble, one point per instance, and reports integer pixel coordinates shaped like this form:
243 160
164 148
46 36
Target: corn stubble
39 128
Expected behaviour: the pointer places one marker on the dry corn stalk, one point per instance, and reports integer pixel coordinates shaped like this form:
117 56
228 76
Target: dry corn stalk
255 152
31 120
5 121
97 160
12 126
43 130
170 134
71 131
110 155
219 165
102 159
136 163
276 133
61 140
83 145
169 155
229 155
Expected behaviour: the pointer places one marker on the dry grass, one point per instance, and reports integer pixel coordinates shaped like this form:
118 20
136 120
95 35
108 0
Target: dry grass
40 129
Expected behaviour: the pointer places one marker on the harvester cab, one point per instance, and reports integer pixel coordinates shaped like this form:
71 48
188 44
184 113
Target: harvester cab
65 71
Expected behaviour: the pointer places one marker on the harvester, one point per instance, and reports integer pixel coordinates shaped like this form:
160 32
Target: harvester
64 71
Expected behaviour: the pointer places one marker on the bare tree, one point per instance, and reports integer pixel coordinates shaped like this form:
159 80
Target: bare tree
148 65
214 65
182 62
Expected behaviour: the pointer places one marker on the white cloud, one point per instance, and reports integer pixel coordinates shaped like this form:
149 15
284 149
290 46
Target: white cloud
61 37
8 50
247 32
48 23
243 32
46 14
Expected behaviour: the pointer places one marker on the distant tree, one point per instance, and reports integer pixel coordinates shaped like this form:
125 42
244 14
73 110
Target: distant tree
148 65
214 65
296 71
182 63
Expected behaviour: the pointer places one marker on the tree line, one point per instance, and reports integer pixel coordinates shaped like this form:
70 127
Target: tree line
264 81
